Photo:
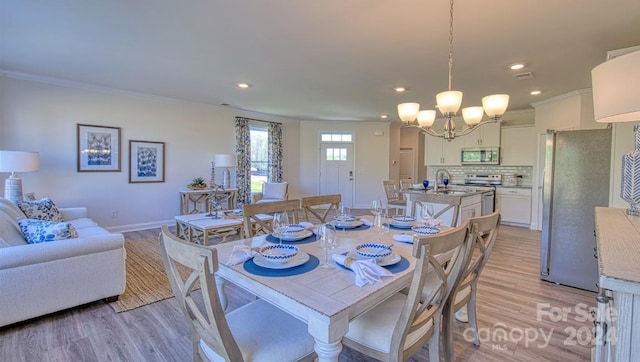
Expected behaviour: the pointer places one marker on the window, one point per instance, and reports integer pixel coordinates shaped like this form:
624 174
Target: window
336 154
336 137
259 157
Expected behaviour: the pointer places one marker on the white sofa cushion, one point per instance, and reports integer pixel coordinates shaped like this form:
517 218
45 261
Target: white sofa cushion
9 230
11 209
43 209
42 231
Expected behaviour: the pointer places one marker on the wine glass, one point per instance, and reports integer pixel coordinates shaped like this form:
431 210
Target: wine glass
344 211
427 212
280 223
327 238
376 207
445 182
425 183
381 225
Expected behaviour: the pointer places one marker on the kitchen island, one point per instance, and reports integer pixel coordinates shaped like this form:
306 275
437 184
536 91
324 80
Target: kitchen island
452 205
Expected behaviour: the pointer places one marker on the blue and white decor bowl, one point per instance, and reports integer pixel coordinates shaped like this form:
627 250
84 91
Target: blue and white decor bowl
373 251
279 253
425 230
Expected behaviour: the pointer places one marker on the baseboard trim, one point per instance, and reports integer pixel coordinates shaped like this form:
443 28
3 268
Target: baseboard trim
141 226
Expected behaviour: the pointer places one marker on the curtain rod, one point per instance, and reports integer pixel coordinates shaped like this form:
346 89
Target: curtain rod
258 120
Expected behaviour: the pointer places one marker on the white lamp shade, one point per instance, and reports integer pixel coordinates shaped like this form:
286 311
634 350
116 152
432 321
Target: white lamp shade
472 115
19 161
408 111
496 104
616 89
449 101
225 160
426 118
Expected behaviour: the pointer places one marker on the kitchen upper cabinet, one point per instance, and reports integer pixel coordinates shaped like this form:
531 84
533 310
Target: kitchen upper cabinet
518 146
442 152
487 135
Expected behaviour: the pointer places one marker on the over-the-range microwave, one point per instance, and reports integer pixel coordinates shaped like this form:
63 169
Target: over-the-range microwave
480 156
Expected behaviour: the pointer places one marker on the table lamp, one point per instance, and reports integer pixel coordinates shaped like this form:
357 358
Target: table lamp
225 160
17 161
616 98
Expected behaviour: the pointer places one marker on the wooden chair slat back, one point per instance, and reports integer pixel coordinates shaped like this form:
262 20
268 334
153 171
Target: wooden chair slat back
331 201
253 224
207 319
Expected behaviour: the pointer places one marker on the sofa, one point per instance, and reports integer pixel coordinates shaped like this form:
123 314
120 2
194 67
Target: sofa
41 278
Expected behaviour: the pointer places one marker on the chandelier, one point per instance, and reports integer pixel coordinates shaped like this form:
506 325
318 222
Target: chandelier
449 103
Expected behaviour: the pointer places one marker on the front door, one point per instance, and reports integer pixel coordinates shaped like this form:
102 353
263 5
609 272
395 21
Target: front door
336 170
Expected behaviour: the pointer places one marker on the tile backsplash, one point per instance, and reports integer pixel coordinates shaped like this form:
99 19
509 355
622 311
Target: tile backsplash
458 172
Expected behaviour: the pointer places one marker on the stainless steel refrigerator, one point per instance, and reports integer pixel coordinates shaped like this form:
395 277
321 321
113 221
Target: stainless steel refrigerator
576 180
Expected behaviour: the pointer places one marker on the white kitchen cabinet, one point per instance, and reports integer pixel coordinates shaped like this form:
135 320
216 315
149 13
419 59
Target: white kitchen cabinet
487 135
517 146
514 205
470 206
442 152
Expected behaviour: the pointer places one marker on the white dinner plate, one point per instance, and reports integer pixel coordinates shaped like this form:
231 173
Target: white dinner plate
403 225
299 259
347 225
293 237
389 260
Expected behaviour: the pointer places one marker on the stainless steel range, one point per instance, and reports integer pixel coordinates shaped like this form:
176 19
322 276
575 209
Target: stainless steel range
482 179
485 181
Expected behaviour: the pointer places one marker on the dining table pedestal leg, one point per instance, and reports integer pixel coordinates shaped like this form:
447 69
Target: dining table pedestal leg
328 336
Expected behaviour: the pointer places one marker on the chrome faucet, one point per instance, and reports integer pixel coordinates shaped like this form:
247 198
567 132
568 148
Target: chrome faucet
441 174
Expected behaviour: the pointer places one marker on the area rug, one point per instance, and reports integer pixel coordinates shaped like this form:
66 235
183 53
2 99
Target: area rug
146 279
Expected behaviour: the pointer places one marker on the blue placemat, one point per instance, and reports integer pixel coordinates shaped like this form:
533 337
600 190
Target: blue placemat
252 268
308 239
360 227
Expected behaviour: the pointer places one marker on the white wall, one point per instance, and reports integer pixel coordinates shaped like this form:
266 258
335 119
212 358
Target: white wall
41 117
371 159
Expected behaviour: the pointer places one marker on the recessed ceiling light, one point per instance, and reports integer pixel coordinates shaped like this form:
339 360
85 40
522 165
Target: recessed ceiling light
243 85
384 116
399 89
516 66
535 92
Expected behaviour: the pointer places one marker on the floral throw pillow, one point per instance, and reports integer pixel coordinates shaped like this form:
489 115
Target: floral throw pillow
40 231
43 209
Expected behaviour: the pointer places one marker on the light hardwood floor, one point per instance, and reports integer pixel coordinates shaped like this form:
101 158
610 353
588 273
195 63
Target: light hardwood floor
517 314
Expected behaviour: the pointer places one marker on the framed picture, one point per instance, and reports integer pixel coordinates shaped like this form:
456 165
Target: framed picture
98 148
146 161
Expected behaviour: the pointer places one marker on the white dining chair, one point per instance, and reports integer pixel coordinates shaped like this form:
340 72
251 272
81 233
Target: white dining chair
400 326
395 198
256 331
463 299
320 207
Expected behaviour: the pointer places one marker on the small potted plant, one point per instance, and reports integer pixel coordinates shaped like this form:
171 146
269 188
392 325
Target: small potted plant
197 184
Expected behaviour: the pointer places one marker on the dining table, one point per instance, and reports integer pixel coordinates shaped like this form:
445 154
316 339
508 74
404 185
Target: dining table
326 299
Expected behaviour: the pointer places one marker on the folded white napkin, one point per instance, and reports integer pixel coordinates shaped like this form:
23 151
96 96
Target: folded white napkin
366 271
433 222
242 253
306 225
366 222
403 238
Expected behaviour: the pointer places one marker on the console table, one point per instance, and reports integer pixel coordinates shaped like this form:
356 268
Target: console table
197 201
618 251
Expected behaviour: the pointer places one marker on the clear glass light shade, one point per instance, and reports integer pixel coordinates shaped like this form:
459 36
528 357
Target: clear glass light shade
408 111
472 115
449 101
426 118
496 104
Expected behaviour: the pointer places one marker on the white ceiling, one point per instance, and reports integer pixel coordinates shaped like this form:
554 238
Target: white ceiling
316 59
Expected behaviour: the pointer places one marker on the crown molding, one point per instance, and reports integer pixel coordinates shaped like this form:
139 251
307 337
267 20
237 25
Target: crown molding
578 92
